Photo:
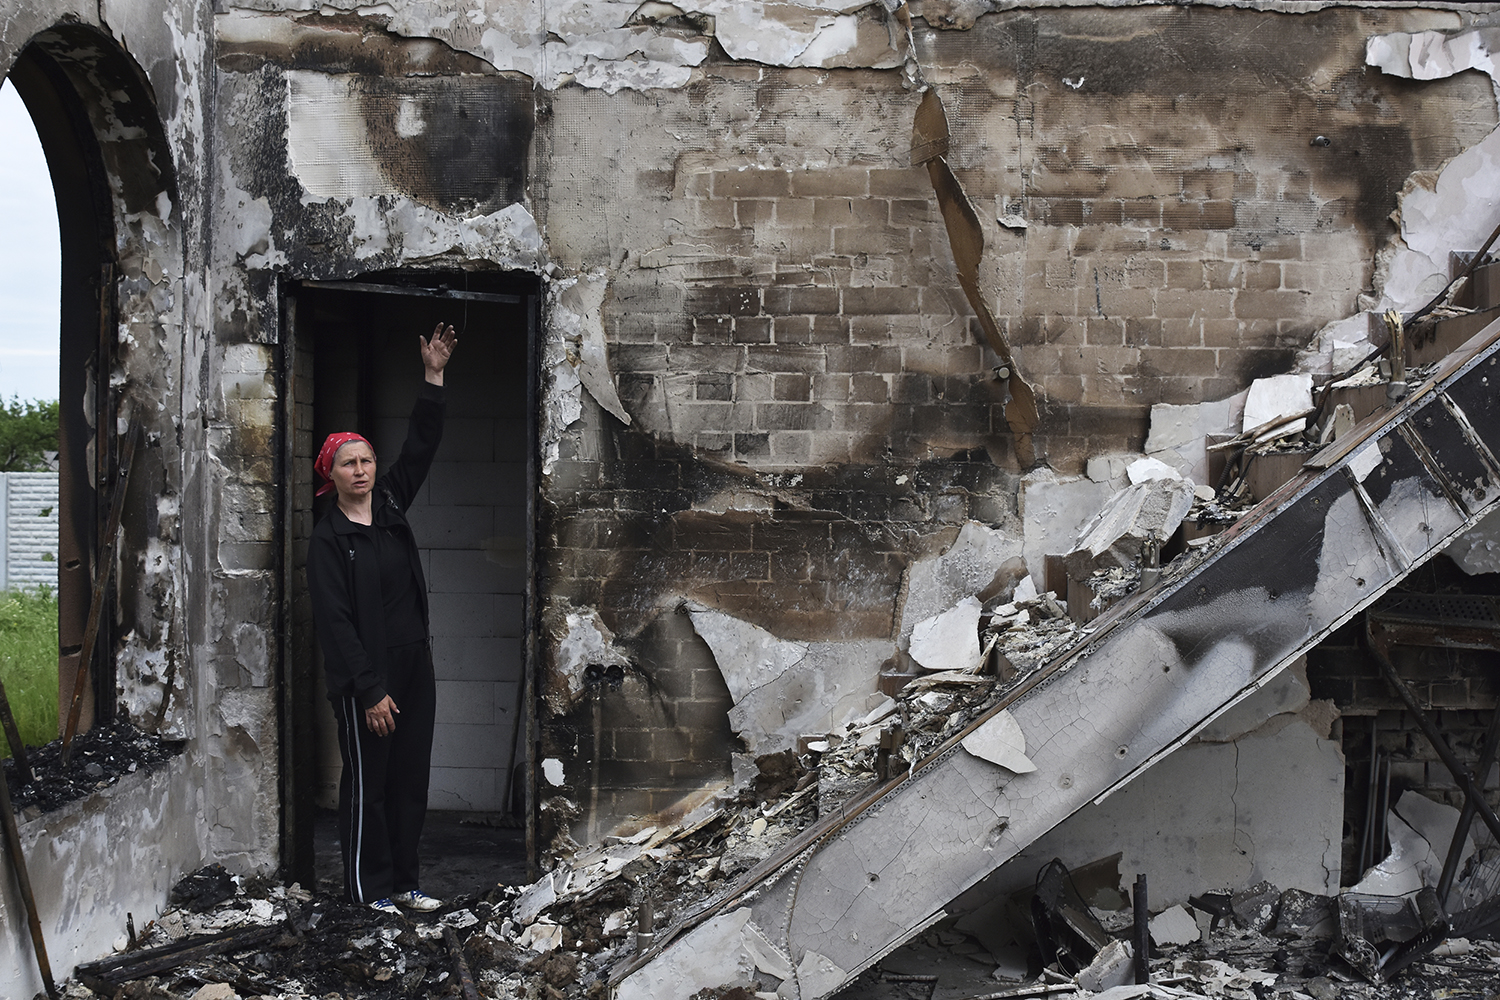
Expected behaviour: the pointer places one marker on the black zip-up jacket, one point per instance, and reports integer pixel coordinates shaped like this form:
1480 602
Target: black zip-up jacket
343 574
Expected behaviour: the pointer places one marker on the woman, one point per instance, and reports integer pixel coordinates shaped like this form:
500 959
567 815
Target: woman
370 608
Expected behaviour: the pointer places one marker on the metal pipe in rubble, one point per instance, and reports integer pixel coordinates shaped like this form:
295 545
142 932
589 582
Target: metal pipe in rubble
1142 933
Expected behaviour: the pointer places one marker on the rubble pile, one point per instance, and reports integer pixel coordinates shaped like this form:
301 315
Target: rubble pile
1256 944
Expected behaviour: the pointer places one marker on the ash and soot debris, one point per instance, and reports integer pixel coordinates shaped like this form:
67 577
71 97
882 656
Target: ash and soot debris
101 757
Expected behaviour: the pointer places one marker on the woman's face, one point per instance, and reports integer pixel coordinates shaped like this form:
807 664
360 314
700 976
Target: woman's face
353 471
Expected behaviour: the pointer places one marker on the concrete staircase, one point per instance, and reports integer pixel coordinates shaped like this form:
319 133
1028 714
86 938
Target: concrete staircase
1361 515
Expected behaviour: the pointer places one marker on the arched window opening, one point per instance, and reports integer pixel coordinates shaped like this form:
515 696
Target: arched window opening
30 277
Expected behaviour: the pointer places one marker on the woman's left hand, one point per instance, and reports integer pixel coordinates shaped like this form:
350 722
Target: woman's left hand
437 351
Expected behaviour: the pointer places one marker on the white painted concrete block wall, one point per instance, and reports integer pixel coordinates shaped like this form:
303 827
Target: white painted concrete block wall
470 520
30 544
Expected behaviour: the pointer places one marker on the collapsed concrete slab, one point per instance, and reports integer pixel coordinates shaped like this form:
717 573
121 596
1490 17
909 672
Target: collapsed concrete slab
1362 515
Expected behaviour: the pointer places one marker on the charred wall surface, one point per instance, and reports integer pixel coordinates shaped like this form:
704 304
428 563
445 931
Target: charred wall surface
1172 209
763 394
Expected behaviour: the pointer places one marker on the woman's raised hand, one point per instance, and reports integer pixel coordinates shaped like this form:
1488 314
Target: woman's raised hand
436 352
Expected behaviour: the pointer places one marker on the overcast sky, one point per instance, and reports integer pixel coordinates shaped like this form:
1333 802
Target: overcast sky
29 259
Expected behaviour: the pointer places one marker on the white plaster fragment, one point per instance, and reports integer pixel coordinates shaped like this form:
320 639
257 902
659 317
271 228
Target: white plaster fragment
713 955
1274 397
1000 741
967 567
1174 925
784 689
1478 549
949 641
748 656
552 770
1145 470
538 896
1179 434
541 937
579 310
1365 460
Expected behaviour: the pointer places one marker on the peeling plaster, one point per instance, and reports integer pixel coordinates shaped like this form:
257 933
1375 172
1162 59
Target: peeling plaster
612 46
980 561
574 358
578 639
784 689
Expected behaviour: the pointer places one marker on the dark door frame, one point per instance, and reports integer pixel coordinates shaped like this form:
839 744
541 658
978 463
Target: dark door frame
295 682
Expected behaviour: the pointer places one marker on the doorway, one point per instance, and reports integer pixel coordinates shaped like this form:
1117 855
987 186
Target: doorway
355 366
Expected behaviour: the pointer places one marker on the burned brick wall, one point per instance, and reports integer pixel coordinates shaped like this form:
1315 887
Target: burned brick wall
1171 210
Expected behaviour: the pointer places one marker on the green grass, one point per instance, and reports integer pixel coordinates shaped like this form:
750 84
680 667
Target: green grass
28 662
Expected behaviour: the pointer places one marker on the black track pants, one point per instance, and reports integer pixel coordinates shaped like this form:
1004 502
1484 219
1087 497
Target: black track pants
383 788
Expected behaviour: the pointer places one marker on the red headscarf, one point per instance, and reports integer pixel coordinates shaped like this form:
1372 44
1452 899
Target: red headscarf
323 465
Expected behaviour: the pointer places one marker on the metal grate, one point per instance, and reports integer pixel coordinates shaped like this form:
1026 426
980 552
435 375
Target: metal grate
1472 610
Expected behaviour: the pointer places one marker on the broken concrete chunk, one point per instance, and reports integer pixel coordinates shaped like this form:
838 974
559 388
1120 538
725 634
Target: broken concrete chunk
949 641
1114 537
1274 398
1114 965
1174 926
1255 907
1000 741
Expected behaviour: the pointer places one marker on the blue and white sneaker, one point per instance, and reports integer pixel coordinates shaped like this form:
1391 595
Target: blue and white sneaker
417 900
384 906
